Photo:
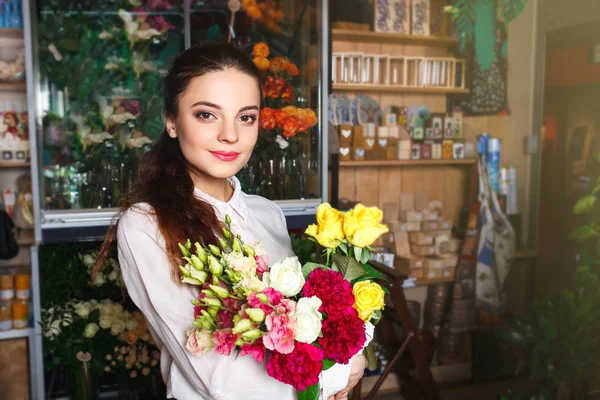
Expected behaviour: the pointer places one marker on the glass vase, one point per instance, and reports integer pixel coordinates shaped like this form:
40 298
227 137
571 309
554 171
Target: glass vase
83 386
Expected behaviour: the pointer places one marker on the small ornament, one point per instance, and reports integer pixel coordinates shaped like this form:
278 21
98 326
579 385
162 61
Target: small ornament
85 358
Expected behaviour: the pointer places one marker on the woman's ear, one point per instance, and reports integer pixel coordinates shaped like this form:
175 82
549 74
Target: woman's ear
170 126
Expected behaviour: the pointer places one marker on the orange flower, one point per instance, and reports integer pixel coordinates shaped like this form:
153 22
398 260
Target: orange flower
261 63
248 3
278 16
280 118
288 94
266 118
278 64
310 117
290 110
291 126
254 13
292 70
261 49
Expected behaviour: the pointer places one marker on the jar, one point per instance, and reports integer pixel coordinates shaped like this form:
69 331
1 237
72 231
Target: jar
436 151
23 286
7 286
5 316
20 314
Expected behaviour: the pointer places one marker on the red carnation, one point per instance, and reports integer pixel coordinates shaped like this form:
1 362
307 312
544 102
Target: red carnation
334 291
300 368
343 337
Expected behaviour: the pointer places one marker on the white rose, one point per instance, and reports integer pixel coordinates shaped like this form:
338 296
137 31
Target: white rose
113 276
106 321
106 309
239 262
308 319
132 324
98 279
83 310
90 330
286 276
89 260
118 327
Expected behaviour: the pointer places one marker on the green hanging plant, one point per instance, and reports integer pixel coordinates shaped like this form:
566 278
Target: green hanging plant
475 22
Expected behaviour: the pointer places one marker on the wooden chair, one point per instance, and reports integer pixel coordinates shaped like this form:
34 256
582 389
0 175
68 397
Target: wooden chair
399 314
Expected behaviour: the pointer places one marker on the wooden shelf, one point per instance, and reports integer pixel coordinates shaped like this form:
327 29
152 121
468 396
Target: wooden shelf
398 89
11 32
15 333
407 163
20 86
368 36
15 164
425 282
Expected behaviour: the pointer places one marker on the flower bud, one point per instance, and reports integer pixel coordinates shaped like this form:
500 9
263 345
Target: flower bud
201 253
219 291
226 233
215 280
196 263
184 251
212 302
262 298
249 251
185 271
188 244
191 281
252 334
227 219
223 243
200 275
233 276
196 302
213 311
214 249
236 245
215 266
256 314
240 342
242 326
236 318
209 293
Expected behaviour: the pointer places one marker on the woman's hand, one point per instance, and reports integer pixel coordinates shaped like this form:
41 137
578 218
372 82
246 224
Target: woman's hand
357 369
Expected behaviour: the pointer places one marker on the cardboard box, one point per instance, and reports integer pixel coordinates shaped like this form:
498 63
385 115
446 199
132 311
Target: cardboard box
423 250
435 205
449 272
422 238
431 226
450 260
451 246
391 211
411 216
407 201
445 224
435 273
430 215
421 201
394 226
417 273
411 226
412 261
401 244
434 263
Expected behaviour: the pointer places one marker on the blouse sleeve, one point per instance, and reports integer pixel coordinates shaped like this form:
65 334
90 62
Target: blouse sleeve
148 279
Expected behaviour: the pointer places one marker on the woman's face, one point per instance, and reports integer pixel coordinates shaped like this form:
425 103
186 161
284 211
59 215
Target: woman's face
217 122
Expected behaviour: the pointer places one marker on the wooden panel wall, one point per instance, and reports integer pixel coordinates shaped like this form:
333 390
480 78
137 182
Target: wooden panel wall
14 369
374 186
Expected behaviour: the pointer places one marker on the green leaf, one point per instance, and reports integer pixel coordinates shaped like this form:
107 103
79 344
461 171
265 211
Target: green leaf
366 256
376 317
372 362
371 272
349 267
511 9
310 393
584 232
358 253
584 205
327 363
310 267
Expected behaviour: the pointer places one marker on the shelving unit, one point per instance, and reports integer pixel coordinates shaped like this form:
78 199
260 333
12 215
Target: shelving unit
14 86
397 89
16 334
378 37
15 164
405 163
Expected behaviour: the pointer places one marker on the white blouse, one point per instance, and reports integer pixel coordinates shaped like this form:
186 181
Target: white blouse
167 306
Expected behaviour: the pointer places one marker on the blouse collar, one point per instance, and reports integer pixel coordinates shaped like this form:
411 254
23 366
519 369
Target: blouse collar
236 202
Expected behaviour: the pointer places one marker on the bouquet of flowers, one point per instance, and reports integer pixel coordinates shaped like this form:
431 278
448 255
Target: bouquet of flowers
301 318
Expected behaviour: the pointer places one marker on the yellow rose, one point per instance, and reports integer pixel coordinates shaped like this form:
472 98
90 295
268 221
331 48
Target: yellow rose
362 225
329 230
368 298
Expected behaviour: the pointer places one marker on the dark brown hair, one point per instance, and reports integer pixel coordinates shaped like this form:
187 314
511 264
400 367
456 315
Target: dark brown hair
163 179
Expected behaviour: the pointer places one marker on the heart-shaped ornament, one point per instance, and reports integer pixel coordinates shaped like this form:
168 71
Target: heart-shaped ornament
360 153
383 142
346 133
344 151
370 142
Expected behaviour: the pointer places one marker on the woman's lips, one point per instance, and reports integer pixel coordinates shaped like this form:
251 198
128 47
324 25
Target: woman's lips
225 155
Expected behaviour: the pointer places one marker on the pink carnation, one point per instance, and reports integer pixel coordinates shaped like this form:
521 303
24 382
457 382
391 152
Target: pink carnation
261 266
273 296
300 368
334 291
255 350
199 342
224 319
224 341
281 331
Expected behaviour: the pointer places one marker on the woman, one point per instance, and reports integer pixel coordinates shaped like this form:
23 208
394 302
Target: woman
185 188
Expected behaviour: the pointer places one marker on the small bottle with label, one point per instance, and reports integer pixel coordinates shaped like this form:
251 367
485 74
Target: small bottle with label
23 286
5 316
7 286
20 314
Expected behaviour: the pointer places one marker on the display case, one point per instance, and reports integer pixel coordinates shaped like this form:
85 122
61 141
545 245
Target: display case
96 99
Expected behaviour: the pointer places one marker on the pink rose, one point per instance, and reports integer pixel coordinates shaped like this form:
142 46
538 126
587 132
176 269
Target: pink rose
281 332
261 265
224 341
255 350
199 342
273 295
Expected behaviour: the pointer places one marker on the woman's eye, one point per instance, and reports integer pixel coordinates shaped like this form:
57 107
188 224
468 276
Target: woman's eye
203 115
249 119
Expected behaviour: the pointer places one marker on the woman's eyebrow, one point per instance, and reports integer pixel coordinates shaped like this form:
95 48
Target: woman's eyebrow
248 108
206 103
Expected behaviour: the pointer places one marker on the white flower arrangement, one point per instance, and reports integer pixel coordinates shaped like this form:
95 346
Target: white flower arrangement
109 273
